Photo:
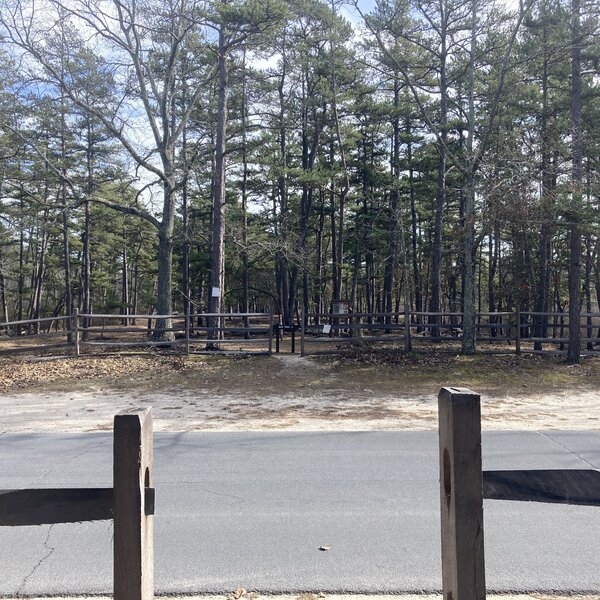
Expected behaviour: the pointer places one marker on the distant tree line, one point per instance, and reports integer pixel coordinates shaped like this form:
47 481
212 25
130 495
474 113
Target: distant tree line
197 156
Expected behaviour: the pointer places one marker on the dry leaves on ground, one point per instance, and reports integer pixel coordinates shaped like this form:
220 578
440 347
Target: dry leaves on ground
22 374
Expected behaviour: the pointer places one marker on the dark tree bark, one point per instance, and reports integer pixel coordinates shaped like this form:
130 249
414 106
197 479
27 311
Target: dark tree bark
440 199
470 248
391 259
244 193
3 303
543 289
418 302
217 275
574 347
282 222
124 280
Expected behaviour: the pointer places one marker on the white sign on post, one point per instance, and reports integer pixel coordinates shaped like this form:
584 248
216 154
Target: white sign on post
216 292
326 329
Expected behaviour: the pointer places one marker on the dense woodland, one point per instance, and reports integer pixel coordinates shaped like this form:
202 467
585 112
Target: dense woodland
438 154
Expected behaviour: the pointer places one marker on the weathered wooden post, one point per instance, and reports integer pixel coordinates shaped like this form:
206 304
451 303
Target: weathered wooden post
407 340
187 324
461 495
302 333
518 332
271 334
76 332
133 507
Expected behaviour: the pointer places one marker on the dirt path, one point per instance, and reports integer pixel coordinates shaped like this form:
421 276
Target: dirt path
293 393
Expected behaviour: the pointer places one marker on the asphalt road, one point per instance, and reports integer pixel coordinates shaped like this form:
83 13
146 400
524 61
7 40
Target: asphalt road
252 510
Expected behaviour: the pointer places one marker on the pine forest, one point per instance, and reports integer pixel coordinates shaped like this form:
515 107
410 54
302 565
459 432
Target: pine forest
203 156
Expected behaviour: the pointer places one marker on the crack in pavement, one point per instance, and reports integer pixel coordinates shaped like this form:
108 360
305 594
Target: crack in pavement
50 550
569 450
224 495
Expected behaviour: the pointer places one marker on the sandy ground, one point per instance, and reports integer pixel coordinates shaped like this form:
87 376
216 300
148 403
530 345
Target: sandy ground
203 411
291 393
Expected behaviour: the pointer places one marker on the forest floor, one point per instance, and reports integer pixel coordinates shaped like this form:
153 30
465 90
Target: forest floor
365 391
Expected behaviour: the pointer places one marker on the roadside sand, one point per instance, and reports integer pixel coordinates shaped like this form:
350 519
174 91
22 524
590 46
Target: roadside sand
200 410
291 393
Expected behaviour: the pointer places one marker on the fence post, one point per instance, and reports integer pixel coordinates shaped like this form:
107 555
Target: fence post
133 527
76 331
302 332
407 340
461 495
271 333
518 334
187 318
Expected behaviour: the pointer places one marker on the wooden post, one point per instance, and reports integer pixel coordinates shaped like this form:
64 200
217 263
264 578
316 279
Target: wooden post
461 495
407 340
271 334
76 331
518 333
187 324
133 526
302 332
358 332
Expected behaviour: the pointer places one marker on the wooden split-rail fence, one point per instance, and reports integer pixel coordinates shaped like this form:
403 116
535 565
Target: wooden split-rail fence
232 333
464 486
318 333
129 503
495 332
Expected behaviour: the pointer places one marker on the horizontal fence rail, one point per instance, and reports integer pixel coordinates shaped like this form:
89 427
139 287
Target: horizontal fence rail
83 333
495 332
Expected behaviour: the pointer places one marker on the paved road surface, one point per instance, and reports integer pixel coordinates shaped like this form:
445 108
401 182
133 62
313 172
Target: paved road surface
252 509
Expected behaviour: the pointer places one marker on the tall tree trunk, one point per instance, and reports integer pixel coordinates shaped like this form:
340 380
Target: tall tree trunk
310 142
390 263
164 285
67 262
573 350
543 289
244 191
318 291
124 280
21 279
35 310
469 326
588 291
86 278
281 260
414 222
63 186
3 303
440 200
335 280
185 209
217 275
